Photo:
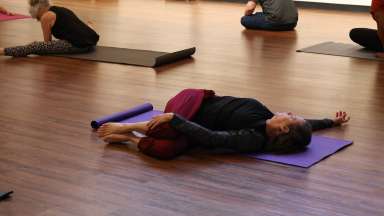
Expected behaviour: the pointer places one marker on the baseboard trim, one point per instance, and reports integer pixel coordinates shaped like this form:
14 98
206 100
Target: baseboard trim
330 6
319 5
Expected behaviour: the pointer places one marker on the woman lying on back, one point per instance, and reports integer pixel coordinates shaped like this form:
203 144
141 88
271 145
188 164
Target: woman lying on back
198 117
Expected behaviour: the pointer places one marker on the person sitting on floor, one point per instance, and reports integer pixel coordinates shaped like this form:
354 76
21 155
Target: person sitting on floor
4 11
277 15
198 117
372 39
74 36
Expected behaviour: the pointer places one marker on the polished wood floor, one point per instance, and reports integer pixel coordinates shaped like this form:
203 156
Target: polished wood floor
52 160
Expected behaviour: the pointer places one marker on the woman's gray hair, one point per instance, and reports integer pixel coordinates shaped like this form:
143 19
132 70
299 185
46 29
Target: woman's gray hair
39 3
35 6
297 139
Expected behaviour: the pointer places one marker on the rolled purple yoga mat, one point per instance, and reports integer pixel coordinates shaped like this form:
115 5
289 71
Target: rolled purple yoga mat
117 117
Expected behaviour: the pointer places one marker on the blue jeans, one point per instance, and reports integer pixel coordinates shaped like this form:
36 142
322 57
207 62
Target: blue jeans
259 21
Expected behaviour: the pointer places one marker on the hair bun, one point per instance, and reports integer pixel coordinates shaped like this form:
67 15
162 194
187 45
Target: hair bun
36 2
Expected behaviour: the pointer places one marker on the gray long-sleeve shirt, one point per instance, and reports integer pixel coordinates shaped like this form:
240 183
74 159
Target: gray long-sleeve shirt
279 11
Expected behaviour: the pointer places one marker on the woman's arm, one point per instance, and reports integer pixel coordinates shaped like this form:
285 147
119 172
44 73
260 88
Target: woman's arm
341 117
245 140
379 18
47 21
250 8
320 124
90 24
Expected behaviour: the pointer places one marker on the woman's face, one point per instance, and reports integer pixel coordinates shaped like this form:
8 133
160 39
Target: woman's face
282 121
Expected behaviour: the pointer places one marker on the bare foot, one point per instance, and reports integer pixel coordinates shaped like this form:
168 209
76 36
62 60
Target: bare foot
113 128
1 51
117 138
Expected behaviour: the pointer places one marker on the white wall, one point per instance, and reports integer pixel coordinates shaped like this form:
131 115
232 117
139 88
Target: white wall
350 2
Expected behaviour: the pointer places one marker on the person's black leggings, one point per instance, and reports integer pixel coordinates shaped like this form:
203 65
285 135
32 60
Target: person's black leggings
367 38
45 48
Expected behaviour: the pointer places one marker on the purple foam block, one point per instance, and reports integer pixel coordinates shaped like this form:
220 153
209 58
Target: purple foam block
4 17
118 117
319 148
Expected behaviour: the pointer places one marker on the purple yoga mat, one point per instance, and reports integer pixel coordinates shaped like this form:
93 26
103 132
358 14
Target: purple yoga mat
147 116
139 113
319 148
4 17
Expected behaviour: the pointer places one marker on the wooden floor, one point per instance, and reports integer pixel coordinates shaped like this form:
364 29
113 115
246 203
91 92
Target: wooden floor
55 164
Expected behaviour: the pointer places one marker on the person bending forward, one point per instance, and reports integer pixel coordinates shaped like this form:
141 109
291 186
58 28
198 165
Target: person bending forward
74 36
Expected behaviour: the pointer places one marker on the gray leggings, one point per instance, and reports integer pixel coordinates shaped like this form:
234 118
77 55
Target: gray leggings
45 48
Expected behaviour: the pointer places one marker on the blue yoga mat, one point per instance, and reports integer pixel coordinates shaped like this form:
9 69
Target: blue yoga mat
319 148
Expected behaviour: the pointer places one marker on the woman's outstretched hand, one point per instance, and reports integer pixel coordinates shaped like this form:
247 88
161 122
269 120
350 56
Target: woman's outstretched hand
160 119
341 118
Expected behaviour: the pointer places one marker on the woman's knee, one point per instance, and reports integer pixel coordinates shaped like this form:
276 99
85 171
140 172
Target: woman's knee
163 131
354 34
162 149
245 21
36 47
35 44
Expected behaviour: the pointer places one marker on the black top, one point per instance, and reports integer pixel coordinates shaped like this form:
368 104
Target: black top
230 113
70 28
233 123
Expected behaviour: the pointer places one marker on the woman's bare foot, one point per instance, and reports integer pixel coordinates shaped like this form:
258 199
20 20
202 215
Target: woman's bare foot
117 138
122 128
113 128
1 51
